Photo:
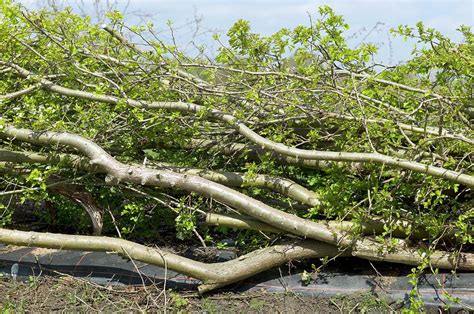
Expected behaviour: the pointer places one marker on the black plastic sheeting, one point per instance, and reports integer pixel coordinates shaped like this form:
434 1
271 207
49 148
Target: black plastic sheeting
111 269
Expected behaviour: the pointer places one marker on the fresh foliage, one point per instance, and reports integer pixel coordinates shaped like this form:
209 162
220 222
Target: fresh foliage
304 87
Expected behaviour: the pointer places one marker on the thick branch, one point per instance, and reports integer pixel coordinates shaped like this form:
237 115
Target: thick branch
67 160
212 275
369 227
118 172
280 185
265 143
119 246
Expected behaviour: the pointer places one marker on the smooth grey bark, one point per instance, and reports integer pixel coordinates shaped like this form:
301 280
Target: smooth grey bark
255 138
280 185
212 276
369 227
118 172
253 152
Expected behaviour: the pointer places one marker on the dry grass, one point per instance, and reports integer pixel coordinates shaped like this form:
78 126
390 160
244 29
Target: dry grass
66 294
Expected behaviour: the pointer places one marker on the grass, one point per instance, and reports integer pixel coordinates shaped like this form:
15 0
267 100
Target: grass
65 294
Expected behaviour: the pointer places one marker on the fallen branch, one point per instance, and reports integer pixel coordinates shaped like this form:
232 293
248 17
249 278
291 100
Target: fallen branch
213 276
20 93
265 143
118 172
369 227
77 194
280 185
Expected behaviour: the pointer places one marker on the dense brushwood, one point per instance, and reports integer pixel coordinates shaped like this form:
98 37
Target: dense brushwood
294 134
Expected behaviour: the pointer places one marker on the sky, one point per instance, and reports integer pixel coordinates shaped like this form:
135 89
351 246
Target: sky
369 20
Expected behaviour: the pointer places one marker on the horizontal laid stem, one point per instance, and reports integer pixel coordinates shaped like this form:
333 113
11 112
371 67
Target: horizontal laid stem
257 139
280 185
401 228
370 227
391 83
239 222
20 93
407 127
254 151
68 160
212 276
106 244
118 172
